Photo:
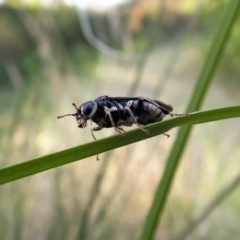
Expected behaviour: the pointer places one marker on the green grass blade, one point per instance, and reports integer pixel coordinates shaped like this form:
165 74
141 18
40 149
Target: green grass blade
40 164
203 83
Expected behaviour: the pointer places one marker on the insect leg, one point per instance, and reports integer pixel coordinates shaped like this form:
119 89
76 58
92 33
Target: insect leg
119 130
178 115
167 135
135 120
95 129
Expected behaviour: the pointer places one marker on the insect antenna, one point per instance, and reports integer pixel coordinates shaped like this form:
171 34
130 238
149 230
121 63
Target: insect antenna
66 115
75 106
74 114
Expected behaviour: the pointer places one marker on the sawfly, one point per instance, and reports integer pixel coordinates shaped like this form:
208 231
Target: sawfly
115 112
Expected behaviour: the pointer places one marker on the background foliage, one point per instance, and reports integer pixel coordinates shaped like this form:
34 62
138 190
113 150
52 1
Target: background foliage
48 60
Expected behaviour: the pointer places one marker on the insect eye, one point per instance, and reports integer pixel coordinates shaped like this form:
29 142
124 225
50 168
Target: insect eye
89 108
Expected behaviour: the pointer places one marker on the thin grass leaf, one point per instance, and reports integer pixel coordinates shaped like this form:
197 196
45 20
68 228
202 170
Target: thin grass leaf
202 85
40 164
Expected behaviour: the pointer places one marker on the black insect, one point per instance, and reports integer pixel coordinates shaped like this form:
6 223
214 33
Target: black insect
115 112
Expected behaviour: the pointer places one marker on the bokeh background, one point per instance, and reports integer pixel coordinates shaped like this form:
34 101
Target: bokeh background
53 53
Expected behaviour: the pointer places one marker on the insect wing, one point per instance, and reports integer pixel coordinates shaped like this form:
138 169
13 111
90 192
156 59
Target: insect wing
157 103
164 106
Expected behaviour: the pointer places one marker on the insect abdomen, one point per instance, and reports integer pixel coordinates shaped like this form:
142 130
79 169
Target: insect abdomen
146 113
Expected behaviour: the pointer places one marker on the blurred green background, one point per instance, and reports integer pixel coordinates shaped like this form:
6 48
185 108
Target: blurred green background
52 54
